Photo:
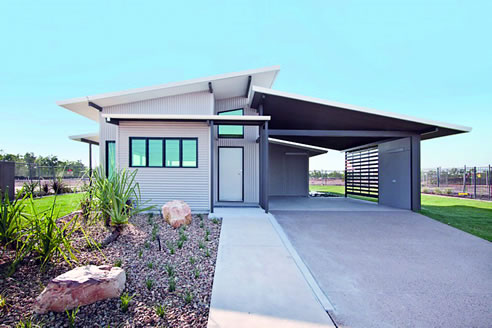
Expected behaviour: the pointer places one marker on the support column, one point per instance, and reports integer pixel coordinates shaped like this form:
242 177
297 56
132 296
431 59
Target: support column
212 154
415 172
90 164
264 182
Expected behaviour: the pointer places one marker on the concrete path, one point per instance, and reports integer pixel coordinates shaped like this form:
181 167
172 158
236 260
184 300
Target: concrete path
256 282
393 268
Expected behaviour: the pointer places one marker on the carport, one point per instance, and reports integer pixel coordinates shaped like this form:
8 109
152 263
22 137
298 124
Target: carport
382 149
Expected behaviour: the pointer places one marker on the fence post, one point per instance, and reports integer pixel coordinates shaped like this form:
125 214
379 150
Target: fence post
489 182
464 180
438 177
474 182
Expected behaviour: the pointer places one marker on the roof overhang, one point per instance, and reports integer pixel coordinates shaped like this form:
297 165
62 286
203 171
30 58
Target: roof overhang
362 126
312 150
222 86
218 119
90 138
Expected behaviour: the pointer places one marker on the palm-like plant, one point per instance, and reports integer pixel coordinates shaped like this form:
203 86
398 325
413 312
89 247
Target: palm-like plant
118 198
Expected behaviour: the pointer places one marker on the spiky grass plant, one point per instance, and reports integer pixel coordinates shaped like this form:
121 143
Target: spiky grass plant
125 301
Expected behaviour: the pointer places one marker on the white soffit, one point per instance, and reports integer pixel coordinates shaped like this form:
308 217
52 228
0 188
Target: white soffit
319 150
224 86
94 137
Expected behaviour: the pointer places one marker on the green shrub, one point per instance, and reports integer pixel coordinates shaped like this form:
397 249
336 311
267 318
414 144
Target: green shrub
180 243
125 301
169 270
118 263
149 283
170 246
11 219
192 260
188 297
150 265
197 273
118 196
72 315
161 310
172 284
201 245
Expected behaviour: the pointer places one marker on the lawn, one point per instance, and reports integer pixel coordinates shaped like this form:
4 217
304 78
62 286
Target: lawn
64 204
472 216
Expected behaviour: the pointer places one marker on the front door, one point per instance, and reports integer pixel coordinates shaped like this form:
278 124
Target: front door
231 174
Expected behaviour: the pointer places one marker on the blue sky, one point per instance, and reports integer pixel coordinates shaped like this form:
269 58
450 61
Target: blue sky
429 59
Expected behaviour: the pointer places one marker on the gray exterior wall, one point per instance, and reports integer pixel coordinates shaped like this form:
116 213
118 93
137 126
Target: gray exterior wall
289 171
395 173
160 185
198 103
251 149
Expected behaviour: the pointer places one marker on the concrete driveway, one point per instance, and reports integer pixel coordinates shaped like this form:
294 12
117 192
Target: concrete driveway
390 268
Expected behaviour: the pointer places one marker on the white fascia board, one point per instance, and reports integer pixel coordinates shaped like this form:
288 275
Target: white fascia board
360 109
274 69
89 136
185 117
320 150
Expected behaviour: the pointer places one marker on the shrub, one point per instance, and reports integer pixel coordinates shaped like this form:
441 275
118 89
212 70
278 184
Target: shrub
118 263
125 301
192 260
215 221
172 284
169 270
3 302
197 273
449 191
29 187
118 196
426 190
72 315
11 219
45 188
437 191
149 283
201 245
150 265
45 238
188 297
180 243
161 310
170 246
58 186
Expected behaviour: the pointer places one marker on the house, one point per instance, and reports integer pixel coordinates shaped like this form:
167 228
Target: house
231 140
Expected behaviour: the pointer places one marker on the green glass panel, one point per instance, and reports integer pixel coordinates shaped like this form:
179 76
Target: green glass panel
111 157
172 153
138 152
232 130
189 153
155 152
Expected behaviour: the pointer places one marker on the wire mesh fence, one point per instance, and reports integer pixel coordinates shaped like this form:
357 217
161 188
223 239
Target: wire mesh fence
71 177
467 181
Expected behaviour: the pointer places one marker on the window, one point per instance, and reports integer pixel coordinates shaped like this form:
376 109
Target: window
138 149
155 152
173 153
231 131
110 157
190 152
164 152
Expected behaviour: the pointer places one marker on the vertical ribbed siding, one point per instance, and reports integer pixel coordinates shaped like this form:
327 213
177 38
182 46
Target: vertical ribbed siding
251 149
107 131
199 103
160 185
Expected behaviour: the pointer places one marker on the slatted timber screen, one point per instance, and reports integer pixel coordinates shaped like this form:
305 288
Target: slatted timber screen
361 172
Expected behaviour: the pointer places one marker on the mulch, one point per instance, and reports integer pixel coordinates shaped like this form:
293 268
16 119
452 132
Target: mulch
137 249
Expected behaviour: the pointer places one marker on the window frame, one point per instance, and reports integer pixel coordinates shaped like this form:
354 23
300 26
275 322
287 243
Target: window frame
130 158
106 151
230 136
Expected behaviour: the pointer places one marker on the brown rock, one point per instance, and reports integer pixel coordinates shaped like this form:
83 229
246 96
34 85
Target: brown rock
176 213
81 286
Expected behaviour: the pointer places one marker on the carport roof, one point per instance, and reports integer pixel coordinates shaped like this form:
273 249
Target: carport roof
294 112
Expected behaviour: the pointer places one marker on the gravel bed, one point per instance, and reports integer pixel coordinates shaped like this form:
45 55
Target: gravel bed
138 250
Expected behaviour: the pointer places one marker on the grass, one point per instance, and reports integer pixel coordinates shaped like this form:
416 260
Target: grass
65 203
470 215
340 191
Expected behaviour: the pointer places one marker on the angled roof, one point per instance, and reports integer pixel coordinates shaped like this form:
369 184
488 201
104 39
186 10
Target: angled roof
295 112
92 138
224 86
313 150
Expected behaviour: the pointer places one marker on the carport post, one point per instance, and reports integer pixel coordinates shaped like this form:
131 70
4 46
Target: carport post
212 152
415 172
264 199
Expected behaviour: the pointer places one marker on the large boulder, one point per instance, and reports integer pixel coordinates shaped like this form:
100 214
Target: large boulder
81 286
176 213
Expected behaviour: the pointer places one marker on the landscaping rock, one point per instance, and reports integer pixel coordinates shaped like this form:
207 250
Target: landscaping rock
176 213
81 286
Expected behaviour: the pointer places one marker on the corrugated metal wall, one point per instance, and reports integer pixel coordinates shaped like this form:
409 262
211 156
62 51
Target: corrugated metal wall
198 103
192 103
161 185
107 131
289 171
251 149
